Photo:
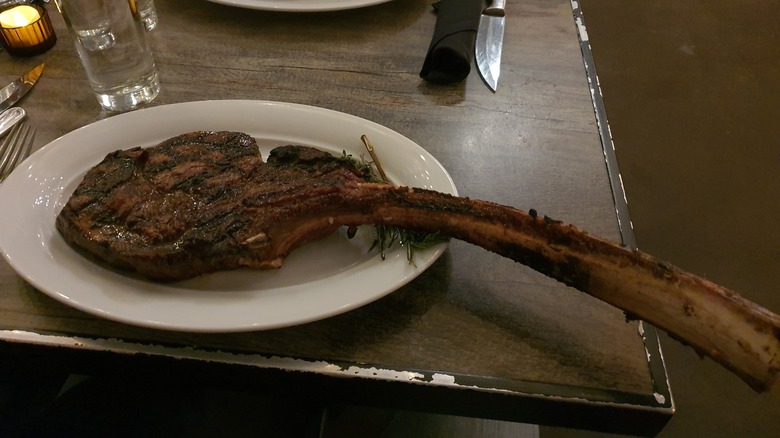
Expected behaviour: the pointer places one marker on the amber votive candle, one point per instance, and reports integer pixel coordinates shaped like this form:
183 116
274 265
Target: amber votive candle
26 30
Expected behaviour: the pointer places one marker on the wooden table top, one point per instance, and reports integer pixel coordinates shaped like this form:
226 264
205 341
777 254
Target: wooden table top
475 334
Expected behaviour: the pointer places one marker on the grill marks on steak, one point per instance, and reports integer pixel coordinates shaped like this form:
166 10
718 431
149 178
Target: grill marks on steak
201 202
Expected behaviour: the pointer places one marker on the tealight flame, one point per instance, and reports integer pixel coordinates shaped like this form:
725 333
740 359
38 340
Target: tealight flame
19 16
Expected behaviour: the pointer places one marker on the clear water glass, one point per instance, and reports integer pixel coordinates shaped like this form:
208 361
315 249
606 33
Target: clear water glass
111 43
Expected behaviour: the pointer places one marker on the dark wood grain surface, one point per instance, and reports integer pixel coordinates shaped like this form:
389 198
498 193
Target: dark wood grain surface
533 144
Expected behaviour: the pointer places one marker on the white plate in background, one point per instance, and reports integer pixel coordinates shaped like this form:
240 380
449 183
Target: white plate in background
300 5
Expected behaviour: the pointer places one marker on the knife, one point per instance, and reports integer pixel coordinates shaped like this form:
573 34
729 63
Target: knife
490 37
18 88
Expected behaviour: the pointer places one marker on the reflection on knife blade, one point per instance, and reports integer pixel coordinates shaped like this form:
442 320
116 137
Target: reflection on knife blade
490 37
18 88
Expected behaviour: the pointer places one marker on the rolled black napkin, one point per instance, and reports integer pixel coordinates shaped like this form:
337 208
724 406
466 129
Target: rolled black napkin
452 46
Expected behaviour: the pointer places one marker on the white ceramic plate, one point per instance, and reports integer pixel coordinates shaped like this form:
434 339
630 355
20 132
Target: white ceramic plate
300 5
318 280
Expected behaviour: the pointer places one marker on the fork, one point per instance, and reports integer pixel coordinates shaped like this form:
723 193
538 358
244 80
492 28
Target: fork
15 147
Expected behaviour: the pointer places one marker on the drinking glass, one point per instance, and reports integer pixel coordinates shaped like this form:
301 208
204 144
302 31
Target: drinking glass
111 43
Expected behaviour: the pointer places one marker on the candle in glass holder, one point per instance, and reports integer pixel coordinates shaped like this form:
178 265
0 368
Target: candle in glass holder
26 30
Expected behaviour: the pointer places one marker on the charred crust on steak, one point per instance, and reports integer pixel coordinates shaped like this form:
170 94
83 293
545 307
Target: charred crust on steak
192 203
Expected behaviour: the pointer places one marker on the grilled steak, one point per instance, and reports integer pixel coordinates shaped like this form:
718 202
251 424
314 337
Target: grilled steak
205 201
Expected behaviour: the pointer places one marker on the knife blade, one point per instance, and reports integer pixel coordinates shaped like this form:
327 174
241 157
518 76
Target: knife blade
19 87
490 38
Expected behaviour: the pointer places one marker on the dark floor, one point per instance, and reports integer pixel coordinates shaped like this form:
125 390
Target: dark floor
130 407
692 93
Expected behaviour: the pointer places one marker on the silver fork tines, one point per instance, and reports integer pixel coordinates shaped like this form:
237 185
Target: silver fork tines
15 147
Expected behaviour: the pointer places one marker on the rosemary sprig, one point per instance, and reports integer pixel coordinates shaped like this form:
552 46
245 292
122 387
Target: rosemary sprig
365 167
387 235
376 162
